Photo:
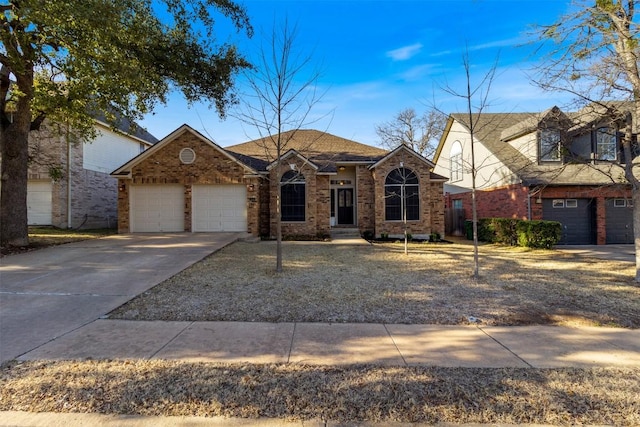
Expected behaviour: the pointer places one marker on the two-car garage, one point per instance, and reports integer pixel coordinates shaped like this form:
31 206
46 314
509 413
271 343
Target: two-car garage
164 208
578 219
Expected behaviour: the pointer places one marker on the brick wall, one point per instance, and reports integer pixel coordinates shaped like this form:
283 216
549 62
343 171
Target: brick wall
506 202
211 166
431 201
317 189
365 203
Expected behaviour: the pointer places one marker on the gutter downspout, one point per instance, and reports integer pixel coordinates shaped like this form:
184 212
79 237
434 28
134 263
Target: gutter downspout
68 178
529 195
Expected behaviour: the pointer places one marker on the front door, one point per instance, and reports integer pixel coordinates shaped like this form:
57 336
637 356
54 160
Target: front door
345 206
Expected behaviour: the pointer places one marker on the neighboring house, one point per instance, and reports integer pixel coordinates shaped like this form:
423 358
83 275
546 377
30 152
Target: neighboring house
188 183
69 185
552 165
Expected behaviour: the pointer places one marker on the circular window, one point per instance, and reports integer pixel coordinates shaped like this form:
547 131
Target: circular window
187 156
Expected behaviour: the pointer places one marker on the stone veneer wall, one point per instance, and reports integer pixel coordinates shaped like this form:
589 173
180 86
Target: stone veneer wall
210 167
429 206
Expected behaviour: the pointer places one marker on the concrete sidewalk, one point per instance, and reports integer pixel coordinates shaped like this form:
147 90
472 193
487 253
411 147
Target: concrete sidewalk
339 344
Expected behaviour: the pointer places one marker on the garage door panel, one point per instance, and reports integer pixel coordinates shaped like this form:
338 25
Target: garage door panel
576 217
39 205
157 208
219 208
619 221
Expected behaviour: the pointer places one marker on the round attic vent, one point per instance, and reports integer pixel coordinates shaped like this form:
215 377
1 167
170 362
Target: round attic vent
187 156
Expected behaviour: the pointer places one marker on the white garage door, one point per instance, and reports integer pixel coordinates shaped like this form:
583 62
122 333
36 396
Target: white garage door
156 208
219 208
39 203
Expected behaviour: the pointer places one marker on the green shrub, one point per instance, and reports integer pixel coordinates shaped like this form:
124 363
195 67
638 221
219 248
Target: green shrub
486 232
516 232
539 234
504 230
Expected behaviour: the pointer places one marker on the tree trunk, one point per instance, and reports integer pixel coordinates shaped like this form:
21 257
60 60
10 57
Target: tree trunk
14 149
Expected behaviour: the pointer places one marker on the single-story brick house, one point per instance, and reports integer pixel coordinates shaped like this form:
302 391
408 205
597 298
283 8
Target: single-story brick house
186 182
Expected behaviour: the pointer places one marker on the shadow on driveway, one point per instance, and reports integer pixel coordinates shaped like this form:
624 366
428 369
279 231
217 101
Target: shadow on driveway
50 292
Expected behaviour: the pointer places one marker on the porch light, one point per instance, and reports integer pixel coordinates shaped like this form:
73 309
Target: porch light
122 187
341 168
341 182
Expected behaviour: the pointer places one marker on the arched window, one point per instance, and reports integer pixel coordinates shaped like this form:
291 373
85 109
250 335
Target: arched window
292 196
455 157
402 195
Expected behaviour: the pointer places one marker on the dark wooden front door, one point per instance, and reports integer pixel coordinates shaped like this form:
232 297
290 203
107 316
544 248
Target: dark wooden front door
345 206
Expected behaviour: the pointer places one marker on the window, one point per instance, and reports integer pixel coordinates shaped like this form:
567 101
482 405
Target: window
455 157
565 203
550 145
619 203
402 196
292 196
457 204
606 144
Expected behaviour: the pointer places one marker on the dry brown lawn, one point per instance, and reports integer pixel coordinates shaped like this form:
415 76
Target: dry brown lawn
325 282
328 282
599 396
43 237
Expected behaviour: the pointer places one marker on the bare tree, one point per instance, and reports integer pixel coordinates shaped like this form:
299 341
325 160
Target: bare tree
476 98
592 53
420 133
282 95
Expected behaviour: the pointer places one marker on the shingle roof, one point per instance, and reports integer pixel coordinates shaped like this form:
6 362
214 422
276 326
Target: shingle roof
322 148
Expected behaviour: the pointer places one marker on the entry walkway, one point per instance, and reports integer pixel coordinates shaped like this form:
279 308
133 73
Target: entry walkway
339 344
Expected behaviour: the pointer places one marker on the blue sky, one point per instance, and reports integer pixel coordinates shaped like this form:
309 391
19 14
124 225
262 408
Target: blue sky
379 57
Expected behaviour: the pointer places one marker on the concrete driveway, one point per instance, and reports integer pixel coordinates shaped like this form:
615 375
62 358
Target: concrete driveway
606 252
47 293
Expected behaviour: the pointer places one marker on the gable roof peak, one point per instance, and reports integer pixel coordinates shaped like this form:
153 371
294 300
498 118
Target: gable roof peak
403 147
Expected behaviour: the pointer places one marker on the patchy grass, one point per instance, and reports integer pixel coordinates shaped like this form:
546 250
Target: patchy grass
42 237
353 393
325 282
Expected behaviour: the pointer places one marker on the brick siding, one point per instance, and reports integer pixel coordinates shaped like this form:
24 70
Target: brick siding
209 167
431 218
512 202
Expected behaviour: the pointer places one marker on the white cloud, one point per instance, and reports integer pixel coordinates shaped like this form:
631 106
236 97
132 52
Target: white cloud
404 53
